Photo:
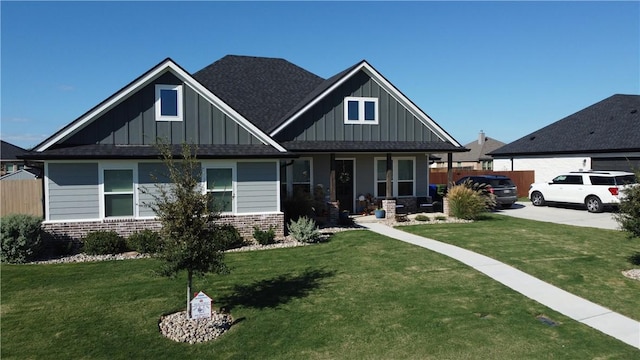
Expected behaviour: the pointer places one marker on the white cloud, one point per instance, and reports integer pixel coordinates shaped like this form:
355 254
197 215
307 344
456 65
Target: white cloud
64 87
25 140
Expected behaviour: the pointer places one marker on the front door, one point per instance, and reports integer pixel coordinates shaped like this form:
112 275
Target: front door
344 184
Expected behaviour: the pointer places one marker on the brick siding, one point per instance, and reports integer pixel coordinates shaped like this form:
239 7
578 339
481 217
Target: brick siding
75 231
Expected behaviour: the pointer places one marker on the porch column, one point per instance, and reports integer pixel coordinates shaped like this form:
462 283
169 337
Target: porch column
334 206
332 177
389 175
449 169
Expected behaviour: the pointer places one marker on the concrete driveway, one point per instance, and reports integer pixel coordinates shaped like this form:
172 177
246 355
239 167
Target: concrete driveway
561 214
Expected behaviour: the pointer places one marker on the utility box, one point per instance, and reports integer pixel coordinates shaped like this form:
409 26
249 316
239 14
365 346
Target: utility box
201 306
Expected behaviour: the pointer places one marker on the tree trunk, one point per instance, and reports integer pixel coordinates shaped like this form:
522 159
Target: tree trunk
189 278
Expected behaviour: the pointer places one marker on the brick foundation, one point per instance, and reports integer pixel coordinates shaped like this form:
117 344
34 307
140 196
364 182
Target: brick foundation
75 231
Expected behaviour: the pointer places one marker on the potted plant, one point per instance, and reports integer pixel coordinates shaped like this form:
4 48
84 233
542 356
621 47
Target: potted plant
380 213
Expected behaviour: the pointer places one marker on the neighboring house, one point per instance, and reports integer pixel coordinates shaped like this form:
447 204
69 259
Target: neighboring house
475 159
603 136
265 129
22 174
9 161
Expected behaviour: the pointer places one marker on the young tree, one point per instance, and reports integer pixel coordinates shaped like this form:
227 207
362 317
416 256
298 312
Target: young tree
189 240
628 215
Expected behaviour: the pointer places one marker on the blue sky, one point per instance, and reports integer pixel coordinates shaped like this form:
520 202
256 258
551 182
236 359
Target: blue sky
508 68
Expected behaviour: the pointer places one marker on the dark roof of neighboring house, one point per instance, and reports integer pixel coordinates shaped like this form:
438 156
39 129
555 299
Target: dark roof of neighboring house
611 125
276 86
371 146
96 151
10 152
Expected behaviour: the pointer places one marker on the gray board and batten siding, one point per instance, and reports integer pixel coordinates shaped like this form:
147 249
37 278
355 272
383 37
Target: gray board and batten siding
325 120
133 122
257 187
74 192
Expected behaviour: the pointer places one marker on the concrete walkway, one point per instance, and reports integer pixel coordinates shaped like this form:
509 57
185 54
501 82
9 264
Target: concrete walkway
613 324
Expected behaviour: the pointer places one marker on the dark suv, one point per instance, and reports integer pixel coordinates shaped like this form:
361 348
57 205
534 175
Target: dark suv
502 187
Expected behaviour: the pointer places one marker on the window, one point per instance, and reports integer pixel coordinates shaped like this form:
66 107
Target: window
360 110
301 179
118 192
402 178
220 188
168 103
568 179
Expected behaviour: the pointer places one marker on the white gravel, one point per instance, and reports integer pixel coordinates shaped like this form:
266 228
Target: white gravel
178 327
633 274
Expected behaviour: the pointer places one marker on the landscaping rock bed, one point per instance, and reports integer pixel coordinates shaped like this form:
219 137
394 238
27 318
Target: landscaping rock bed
178 327
633 274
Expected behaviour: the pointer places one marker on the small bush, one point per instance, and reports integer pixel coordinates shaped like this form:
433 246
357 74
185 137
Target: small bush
634 259
298 205
628 215
466 203
264 237
304 230
145 241
103 243
421 217
440 217
20 237
228 237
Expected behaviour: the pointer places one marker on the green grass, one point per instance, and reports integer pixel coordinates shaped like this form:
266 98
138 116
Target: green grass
584 261
359 296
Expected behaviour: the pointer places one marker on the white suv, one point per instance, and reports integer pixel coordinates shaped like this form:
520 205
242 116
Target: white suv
595 189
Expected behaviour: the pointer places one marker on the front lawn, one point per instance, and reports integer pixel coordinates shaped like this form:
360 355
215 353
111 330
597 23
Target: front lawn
359 296
584 261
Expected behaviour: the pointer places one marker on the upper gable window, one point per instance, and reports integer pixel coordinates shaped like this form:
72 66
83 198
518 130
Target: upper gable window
168 103
361 110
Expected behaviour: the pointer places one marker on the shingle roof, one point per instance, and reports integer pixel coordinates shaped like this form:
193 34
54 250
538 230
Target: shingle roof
371 146
611 125
97 151
477 151
9 152
276 86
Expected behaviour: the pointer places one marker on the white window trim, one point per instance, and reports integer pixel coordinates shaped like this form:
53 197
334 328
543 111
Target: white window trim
394 176
118 166
158 103
234 182
289 179
361 101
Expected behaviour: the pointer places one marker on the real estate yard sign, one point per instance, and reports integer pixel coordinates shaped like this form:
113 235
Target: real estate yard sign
201 306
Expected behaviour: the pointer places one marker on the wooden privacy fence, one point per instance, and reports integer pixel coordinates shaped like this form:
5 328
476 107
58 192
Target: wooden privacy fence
522 179
21 197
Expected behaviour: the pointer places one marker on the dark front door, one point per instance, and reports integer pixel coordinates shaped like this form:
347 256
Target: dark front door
344 184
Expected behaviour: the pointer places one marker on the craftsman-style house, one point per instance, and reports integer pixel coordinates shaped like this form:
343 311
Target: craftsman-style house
265 129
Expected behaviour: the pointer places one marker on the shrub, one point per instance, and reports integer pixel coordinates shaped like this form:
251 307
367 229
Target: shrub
440 217
300 204
465 203
21 236
145 241
103 242
421 217
304 230
628 215
264 237
229 237
482 189
634 259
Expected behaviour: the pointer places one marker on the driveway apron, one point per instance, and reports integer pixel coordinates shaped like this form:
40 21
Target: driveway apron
598 317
